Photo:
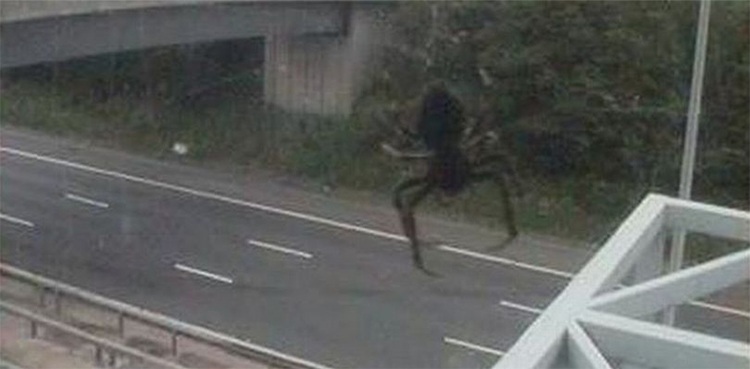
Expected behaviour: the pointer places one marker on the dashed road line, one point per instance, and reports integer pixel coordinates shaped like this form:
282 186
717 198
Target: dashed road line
277 248
722 309
16 220
697 303
520 307
472 346
86 201
203 273
310 218
271 209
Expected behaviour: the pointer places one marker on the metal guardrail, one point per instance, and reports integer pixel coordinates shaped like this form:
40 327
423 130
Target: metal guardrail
98 342
8 365
175 327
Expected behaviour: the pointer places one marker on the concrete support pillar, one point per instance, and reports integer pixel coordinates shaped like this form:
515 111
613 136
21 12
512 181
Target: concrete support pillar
310 74
319 73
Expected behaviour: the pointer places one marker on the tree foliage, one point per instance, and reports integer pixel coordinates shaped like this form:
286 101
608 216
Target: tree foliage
597 91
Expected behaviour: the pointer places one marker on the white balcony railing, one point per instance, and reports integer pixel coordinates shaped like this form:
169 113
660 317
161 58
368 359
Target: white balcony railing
596 322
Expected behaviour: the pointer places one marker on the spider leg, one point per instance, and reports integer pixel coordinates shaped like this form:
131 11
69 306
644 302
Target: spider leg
405 203
501 178
502 163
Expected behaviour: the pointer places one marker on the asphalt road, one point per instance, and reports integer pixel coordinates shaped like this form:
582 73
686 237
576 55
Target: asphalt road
303 283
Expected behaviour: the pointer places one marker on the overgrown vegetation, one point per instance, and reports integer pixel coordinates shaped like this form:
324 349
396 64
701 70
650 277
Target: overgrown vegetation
573 83
590 97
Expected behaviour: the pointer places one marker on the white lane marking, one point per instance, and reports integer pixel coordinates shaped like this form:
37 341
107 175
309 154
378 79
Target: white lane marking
525 308
16 220
273 247
722 309
87 201
505 261
706 305
472 346
292 214
208 195
203 273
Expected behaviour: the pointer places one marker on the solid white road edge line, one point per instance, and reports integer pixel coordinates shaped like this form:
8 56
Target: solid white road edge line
203 273
86 201
472 346
505 261
277 248
204 194
266 208
16 220
311 218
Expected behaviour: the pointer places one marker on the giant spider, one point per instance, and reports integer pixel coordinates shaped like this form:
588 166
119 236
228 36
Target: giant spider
456 157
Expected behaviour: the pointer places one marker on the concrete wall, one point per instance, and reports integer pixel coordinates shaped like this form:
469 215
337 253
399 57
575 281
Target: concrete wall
322 73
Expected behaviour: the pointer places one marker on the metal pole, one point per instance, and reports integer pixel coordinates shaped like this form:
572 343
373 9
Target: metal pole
121 324
677 250
174 343
58 302
112 359
42 290
98 354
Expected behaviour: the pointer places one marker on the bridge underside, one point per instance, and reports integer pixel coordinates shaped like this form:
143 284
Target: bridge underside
313 56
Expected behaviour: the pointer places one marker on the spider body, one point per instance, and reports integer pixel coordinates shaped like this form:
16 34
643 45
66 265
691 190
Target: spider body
450 171
441 120
455 160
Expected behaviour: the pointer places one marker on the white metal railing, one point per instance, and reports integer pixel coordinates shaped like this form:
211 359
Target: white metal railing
598 323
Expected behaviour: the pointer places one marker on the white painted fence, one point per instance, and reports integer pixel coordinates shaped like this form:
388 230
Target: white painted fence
597 323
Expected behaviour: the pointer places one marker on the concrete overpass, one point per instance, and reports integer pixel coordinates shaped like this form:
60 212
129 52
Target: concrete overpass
315 52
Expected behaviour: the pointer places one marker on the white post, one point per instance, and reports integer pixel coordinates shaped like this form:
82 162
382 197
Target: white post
677 250
651 265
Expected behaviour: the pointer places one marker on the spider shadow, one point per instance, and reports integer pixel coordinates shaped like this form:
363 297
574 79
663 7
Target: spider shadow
509 240
430 244
428 272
